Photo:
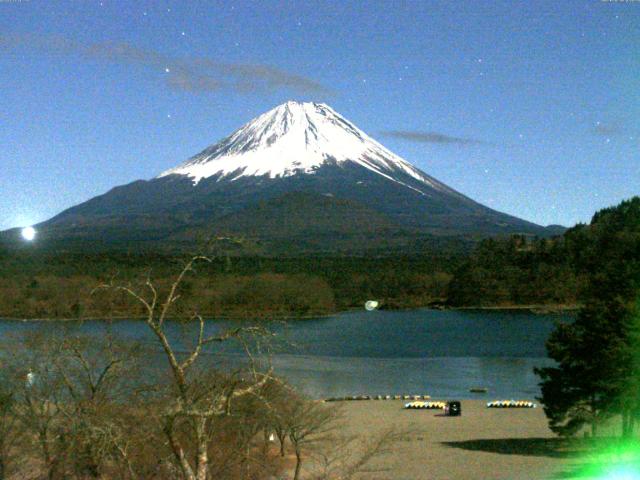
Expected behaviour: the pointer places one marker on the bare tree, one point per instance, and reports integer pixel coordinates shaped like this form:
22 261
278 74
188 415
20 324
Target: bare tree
314 430
89 407
347 457
97 378
279 396
38 398
190 416
308 424
69 396
9 430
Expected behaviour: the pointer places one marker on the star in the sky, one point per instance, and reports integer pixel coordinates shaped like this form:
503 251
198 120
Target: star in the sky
167 70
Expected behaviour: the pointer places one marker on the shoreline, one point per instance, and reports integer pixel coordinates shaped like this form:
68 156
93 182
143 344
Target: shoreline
543 309
171 319
535 309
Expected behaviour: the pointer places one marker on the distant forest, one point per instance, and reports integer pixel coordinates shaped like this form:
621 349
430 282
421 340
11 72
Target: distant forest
498 272
521 271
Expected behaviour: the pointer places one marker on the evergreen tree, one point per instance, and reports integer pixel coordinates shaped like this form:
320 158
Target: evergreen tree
598 355
628 400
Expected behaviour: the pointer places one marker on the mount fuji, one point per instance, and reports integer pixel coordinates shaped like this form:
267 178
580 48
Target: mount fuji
299 177
298 138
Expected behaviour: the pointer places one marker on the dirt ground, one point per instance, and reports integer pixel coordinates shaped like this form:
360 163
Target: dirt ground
483 443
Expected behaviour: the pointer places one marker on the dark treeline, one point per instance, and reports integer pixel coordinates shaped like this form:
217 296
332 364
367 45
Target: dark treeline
525 271
522 271
499 272
58 285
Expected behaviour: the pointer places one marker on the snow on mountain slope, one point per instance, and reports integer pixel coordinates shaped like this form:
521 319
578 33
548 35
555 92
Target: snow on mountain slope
296 138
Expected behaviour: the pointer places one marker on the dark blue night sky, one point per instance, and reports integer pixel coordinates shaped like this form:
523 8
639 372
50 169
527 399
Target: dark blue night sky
530 107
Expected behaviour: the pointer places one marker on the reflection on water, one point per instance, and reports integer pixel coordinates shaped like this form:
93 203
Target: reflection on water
440 353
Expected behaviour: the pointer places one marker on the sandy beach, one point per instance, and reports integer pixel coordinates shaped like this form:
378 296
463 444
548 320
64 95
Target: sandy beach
483 443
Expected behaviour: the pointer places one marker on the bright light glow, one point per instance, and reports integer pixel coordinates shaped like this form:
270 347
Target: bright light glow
619 460
622 473
371 305
29 233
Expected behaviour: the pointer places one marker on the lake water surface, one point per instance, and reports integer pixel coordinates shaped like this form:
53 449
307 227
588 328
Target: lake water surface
440 353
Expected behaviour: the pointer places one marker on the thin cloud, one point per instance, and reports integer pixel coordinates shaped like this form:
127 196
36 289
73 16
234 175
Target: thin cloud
607 130
198 75
432 137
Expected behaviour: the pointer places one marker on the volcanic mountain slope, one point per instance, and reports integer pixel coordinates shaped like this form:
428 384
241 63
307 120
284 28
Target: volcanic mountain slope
297 172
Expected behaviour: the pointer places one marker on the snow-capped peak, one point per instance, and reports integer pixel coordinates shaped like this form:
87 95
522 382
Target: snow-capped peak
296 138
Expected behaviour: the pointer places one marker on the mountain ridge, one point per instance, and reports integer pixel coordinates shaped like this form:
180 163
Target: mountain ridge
295 147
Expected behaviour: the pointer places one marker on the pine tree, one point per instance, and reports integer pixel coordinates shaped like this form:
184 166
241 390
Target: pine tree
598 355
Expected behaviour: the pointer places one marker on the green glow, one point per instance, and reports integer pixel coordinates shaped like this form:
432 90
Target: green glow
618 460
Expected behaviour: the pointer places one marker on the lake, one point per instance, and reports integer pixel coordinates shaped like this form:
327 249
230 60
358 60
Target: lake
440 353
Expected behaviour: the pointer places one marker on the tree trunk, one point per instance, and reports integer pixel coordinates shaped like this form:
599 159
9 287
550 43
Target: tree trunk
48 460
178 452
282 438
265 445
632 418
203 458
296 474
626 423
245 461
